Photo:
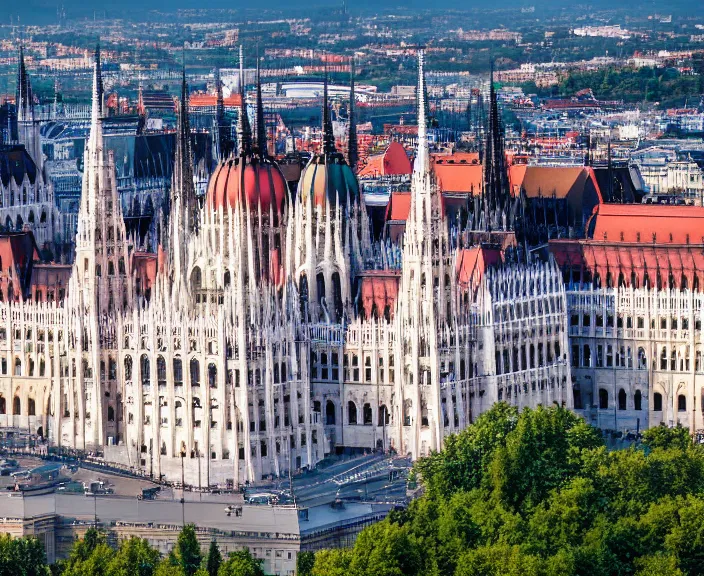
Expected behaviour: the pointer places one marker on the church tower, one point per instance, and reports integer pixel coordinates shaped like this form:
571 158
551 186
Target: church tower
99 290
422 313
27 125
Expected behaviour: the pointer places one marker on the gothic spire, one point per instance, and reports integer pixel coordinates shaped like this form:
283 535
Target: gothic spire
421 164
24 98
328 137
97 98
352 153
99 87
261 125
244 132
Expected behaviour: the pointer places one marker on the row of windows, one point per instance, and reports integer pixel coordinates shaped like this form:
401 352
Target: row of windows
673 323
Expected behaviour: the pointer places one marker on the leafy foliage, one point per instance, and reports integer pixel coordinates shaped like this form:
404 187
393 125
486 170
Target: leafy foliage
538 494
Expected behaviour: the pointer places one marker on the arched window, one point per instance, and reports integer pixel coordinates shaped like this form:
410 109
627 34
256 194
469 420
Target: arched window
603 399
642 359
18 367
31 408
178 406
3 406
367 414
351 412
144 369
128 367
196 282
657 402
178 372
621 399
303 294
407 409
383 415
681 403
16 406
212 376
111 414
637 400
320 281
330 413
337 295
195 372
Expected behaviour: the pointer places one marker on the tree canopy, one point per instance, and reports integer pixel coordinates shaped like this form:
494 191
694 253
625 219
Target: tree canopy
537 493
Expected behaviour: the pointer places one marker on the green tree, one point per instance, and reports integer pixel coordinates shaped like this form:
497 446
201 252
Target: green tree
187 551
657 565
214 559
664 437
386 549
134 557
241 563
304 563
332 563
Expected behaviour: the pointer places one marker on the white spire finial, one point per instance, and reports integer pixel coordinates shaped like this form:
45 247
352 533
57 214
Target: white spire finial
421 163
96 108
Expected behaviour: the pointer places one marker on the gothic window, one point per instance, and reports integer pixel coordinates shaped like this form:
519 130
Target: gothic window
303 294
621 399
603 399
351 412
18 367
330 413
161 370
367 414
657 402
111 414
337 295
3 407
31 407
195 372
383 415
16 406
212 376
128 367
681 403
407 410
31 217
178 406
144 369
424 413
637 400
320 281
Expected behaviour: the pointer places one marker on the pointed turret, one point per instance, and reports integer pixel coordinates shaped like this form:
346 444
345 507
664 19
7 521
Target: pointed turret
184 204
352 152
244 132
328 137
98 90
421 164
261 124
24 100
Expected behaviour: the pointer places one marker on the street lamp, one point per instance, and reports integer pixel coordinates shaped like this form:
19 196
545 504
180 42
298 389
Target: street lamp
183 485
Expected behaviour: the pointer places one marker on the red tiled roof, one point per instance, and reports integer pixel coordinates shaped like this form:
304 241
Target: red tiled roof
379 289
616 263
648 224
208 100
144 268
394 160
399 206
471 264
460 172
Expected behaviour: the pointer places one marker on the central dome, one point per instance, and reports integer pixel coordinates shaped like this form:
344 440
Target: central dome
261 183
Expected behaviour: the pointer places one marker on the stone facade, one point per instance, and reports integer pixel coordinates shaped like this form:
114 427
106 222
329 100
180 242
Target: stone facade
269 329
